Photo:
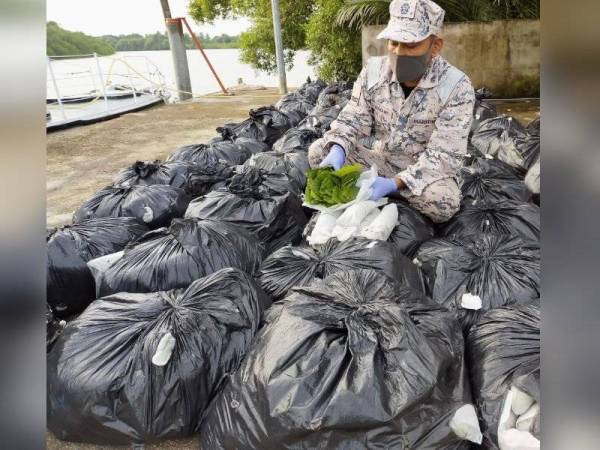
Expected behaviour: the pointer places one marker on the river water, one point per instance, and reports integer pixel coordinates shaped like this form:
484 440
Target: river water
79 76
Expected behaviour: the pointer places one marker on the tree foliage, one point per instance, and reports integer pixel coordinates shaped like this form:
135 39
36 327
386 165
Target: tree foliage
357 13
335 51
257 44
160 41
330 29
61 42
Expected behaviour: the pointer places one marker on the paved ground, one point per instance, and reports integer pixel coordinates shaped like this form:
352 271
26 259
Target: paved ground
525 111
82 160
180 444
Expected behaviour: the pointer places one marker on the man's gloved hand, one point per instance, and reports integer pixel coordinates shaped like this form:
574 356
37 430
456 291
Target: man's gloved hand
382 187
335 158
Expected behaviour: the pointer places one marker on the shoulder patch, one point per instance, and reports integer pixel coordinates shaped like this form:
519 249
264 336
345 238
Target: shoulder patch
375 66
451 79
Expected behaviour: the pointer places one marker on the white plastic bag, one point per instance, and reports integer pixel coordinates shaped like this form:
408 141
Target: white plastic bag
364 183
470 301
525 421
367 221
348 224
532 179
164 349
323 229
465 424
509 438
521 401
383 225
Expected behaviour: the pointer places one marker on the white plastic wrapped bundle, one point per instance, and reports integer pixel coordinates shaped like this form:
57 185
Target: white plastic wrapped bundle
382 226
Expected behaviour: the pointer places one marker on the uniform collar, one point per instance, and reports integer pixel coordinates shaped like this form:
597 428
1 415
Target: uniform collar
432 76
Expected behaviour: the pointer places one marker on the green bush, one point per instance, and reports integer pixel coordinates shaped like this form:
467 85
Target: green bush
335 51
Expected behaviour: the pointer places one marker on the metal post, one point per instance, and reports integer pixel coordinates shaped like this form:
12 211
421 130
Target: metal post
199 46
279 46
102 87
93 80
130 76
60 103
178 51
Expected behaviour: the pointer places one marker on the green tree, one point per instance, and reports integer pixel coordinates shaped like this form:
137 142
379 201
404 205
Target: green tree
335 51
257 44
61 42
357 13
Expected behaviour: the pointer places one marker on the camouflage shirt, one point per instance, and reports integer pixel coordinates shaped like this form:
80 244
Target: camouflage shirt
422 138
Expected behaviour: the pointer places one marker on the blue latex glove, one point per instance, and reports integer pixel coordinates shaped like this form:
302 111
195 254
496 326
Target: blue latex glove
335 158
382 187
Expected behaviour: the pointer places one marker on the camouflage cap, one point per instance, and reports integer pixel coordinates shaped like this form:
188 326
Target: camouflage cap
413 20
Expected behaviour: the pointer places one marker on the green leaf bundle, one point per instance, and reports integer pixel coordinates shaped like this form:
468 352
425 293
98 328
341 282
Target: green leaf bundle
330 187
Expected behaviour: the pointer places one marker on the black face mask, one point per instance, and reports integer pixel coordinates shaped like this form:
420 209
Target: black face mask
410 68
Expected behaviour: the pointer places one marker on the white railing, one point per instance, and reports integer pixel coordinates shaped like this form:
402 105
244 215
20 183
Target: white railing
91 78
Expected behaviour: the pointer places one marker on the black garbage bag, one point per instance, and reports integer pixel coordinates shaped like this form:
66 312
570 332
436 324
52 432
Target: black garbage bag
497 268
252 181
503 350
146 173
319 120
334 94
174 257
154 205
276 220
527 150
296 140
267 183
206 178
70 285
53 327
533 127
411 230
300 266
483 109
194 178
225 152
295 107
254 146
106 384
498 137
286 172
310 90
329 104
265 124
506 216
491 180
356 361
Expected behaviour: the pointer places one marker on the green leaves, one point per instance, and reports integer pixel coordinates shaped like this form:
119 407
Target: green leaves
355 14
328 187
61 42
336 51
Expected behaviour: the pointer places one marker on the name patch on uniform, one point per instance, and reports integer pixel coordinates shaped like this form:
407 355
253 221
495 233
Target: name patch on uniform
423 121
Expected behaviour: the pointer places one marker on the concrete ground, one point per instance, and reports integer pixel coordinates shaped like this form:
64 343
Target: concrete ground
84 159
52 443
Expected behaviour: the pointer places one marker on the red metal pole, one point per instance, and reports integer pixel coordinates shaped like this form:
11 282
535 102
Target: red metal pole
199 46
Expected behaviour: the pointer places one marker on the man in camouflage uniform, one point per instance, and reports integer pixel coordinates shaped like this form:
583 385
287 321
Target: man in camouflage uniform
414 130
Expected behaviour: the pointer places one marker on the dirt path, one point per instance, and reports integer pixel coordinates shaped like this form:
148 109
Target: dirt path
82 160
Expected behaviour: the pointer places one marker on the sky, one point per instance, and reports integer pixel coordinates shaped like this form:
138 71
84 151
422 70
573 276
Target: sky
99 17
